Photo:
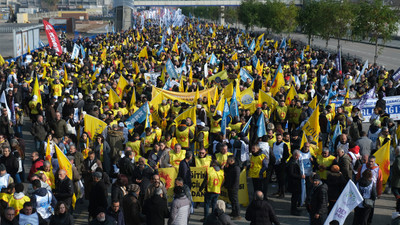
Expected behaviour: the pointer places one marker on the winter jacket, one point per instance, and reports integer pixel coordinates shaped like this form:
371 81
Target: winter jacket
155 209
132 209
336 183
64 191
60 128
184 173
62 219
232 175
218 217
116 217
396 172
346 167
11 164
260 212
319 200
180 210
294 176
115 138
365 145
39 131
98 198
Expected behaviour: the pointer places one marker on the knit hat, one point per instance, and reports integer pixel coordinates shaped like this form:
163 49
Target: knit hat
133 188
335 168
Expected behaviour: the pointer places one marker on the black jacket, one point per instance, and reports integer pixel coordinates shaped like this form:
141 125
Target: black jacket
260 212
184 173
336 183
62 219
126 166
218 217
319 200
294 176
64 191
11 164
232 176
98 198
156 210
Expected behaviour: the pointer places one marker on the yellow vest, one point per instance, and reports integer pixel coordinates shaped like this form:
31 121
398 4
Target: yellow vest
135 145
256 165
175 110
32 106
281 111
348 109
215 180
5 197
203 162
176 158
215 125
325 162
183 137
205 140
158 132
18 204
222 158
148 141
296 115
164 110
50 178
193 129
272 141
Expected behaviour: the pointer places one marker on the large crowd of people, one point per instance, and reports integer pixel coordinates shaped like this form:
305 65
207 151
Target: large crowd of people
126 160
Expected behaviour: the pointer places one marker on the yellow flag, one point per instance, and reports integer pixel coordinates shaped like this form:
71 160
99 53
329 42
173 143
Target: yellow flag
197 96
175 47
383 160
191 76
307 48
209 100
311 127
93 126
65 75
264 97
229 90
143 53
223 75
65 164
258 67
313 103
278 82
191 113
112 98
303 140
181 88
235 57
276 45
2 61
36 91
221 103
215 98
347 93
133 99
195 57
209 45
103 54
122 83
94 75
290 96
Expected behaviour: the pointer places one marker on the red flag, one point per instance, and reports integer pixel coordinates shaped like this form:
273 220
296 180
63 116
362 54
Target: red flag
52 37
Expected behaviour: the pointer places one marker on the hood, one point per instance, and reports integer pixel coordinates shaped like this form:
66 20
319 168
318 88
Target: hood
218 212
19 195
373 129
41 192
182 128
204 129
258 204
355 150
114 133
364 182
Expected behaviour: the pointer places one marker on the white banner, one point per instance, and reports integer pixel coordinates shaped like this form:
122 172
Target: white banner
392 107
348 200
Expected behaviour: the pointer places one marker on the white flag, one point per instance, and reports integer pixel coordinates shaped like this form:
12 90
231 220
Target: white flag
75 52
348 200
4 101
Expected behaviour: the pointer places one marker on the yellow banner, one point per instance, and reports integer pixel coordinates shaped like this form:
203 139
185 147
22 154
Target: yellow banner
188 113
168 176
243 191
198 175
186 96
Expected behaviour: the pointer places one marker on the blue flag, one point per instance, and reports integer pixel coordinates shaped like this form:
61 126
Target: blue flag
302 55
336 134
187 37
160 50
261 131
246 126
254 61
363 71
234 108
139 116
338 62
41 44
283 43
246 44
167 85
83 52
171 69
252 45
244 75
213 59
186 48
225 114
211 30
